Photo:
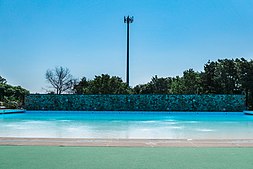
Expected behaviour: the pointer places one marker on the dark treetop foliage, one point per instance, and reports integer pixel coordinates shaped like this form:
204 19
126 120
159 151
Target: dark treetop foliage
155 86
103 84
2 80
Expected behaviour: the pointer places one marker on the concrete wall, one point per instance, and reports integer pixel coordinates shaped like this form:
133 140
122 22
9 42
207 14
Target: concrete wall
136 102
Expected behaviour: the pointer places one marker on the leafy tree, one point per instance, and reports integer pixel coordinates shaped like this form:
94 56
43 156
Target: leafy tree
191 82
83 87
221 77
142 89
2 80
229 76
226 76
208 78
245 78
60 79
12 96
104 84
177 86
160 85
155 86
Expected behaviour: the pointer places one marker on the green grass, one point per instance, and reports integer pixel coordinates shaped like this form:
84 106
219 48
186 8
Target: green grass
46 157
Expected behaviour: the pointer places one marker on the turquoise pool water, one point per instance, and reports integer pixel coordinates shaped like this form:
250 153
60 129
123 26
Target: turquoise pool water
127 125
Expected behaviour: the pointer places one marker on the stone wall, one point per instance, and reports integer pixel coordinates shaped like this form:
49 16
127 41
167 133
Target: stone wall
136 102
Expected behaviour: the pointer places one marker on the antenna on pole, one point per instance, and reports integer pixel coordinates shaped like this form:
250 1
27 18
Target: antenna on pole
128 20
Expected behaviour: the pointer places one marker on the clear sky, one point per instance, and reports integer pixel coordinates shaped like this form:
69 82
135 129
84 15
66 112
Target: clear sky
89 37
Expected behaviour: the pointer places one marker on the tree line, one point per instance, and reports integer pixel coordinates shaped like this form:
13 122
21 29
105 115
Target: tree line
224 76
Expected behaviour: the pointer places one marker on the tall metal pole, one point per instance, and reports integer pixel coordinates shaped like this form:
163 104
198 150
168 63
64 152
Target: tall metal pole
128 20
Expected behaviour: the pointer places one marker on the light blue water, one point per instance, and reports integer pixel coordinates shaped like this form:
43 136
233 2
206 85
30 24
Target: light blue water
138 125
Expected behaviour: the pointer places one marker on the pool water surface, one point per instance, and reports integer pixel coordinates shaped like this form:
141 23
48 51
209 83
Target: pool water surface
127 125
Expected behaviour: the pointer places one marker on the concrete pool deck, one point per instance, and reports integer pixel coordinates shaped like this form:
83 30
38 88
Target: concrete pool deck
125 142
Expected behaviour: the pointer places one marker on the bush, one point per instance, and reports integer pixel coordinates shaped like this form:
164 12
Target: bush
12 105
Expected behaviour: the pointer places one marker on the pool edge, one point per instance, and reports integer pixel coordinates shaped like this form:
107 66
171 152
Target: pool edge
14 141
248 112
11 111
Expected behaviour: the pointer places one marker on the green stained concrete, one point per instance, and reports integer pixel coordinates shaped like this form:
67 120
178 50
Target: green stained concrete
41 157
136 102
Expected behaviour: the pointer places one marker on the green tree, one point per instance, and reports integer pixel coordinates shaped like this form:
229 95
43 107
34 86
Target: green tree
12 96
245 79
104 84
155 86
226 76
83 87
221 77
177 86
208 78
160 85
2 80
229 76
142 89
189 83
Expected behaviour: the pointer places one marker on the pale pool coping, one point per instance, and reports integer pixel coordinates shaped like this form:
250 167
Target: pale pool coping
15 141
137 112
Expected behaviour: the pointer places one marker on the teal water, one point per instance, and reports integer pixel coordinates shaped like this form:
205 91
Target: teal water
132 125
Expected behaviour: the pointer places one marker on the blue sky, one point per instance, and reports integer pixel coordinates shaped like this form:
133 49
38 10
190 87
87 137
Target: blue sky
89 37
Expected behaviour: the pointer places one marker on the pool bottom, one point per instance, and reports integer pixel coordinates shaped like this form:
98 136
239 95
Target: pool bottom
79 125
